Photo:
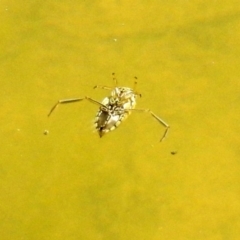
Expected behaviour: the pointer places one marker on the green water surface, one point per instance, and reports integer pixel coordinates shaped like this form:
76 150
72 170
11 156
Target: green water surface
70 184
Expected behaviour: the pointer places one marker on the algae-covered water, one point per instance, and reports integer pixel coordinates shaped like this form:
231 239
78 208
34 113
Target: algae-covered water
70 184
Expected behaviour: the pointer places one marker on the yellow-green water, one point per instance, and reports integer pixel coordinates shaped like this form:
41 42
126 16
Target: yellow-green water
70 184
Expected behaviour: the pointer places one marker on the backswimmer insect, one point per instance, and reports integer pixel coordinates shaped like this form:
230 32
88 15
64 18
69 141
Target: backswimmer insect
114 108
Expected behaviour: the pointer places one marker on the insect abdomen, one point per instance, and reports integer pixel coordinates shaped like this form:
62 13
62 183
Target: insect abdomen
106 122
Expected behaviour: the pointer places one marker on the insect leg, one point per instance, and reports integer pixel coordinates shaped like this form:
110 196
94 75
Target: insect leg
95 101
107 87
163 123
72 100
102 87
63 101
158 119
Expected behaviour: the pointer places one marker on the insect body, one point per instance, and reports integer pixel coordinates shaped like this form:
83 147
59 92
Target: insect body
114 108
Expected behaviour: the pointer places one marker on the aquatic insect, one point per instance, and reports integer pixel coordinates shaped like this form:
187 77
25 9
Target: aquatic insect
114 108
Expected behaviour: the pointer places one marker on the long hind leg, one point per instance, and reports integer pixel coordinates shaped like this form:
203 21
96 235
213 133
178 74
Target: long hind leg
72 100
158 119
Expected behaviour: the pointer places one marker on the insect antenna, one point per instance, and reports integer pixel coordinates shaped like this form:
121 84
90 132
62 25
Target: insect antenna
114 79
135 87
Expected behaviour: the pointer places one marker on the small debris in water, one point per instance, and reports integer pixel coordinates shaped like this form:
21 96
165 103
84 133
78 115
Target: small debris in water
46 132
173 152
